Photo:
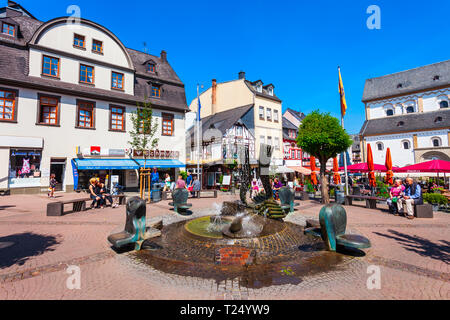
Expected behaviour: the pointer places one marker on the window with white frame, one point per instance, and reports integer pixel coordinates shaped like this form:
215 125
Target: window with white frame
436 141
261 113
380 146
406 145
277 143
269 114
275 116
262 139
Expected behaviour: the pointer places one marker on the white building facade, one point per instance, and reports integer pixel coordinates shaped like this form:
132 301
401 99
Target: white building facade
66 100
408 112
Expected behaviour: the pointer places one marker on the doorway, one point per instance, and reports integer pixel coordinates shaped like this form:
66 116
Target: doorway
58 168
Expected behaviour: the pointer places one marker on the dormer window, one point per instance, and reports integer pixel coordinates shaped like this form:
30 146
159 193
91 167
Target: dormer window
79 41
436 78
258 86
156 91
9 29
438 119
400 124
443 104
389 112
151 67
399 86
97 46
410 109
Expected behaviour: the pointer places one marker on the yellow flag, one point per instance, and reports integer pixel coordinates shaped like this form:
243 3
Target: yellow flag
342 94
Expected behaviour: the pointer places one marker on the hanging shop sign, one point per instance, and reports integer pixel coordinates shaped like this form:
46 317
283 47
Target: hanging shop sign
156 154
95 151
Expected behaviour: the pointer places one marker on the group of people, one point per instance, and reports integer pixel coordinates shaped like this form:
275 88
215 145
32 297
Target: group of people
276 184
405 195
99 194
192 184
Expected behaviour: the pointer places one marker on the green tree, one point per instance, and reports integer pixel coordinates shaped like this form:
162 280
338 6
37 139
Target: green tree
144 129
322 136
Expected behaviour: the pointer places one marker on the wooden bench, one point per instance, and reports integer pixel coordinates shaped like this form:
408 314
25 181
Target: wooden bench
206 194
371 202
167 195
56 209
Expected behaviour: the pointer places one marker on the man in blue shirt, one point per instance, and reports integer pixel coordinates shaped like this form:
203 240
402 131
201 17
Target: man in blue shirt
413 195
189 182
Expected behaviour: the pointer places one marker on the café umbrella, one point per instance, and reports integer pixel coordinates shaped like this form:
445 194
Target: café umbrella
434 166
371 167
388 164
313 170
336 176
364 168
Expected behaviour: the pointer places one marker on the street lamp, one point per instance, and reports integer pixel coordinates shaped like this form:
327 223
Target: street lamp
199 86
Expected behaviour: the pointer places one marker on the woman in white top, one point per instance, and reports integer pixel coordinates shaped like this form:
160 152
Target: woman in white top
167 183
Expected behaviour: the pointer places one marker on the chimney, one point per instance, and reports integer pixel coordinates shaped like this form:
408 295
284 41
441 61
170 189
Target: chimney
163 56
214 96
242 75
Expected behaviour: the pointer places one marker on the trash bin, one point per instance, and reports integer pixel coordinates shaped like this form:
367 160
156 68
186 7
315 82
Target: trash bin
156 192
340 197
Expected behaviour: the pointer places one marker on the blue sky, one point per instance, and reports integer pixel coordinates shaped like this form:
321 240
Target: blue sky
296 45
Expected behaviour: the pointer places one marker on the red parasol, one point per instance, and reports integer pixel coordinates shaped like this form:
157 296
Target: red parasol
313 170
370 167
430 166
363 168
336 176
390 173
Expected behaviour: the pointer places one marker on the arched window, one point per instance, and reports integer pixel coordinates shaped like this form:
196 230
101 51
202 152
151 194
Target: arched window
389 112
410 109
406 145
443 104
436 142
380 146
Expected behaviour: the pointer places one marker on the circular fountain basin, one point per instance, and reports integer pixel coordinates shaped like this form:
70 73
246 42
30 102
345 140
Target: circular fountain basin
279 254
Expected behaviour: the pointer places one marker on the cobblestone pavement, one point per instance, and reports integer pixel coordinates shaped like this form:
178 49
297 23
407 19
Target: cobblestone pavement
36 250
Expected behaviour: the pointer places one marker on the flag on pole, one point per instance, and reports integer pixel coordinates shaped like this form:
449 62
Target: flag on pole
342 94
199 109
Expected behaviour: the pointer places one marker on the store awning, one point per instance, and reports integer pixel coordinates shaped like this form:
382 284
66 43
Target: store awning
302 170
283 169
106 164
160 163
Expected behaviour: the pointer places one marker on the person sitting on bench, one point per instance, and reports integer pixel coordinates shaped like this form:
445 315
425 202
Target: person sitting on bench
395 193
106 196
413 195
94 192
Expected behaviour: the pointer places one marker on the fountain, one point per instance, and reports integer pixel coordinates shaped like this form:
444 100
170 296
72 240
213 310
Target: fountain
249 242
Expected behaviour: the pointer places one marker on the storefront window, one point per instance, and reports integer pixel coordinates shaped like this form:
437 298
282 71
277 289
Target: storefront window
25 164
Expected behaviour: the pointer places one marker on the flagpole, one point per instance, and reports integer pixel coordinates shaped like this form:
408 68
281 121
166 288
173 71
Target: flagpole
345 163
199 176
343 127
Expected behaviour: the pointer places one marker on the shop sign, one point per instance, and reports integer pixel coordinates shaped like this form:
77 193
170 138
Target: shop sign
156 154
95 151
116 152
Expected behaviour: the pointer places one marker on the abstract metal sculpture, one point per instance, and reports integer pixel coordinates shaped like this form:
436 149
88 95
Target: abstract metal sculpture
135 225
245 174
265 156
333 224
180 197
287 196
